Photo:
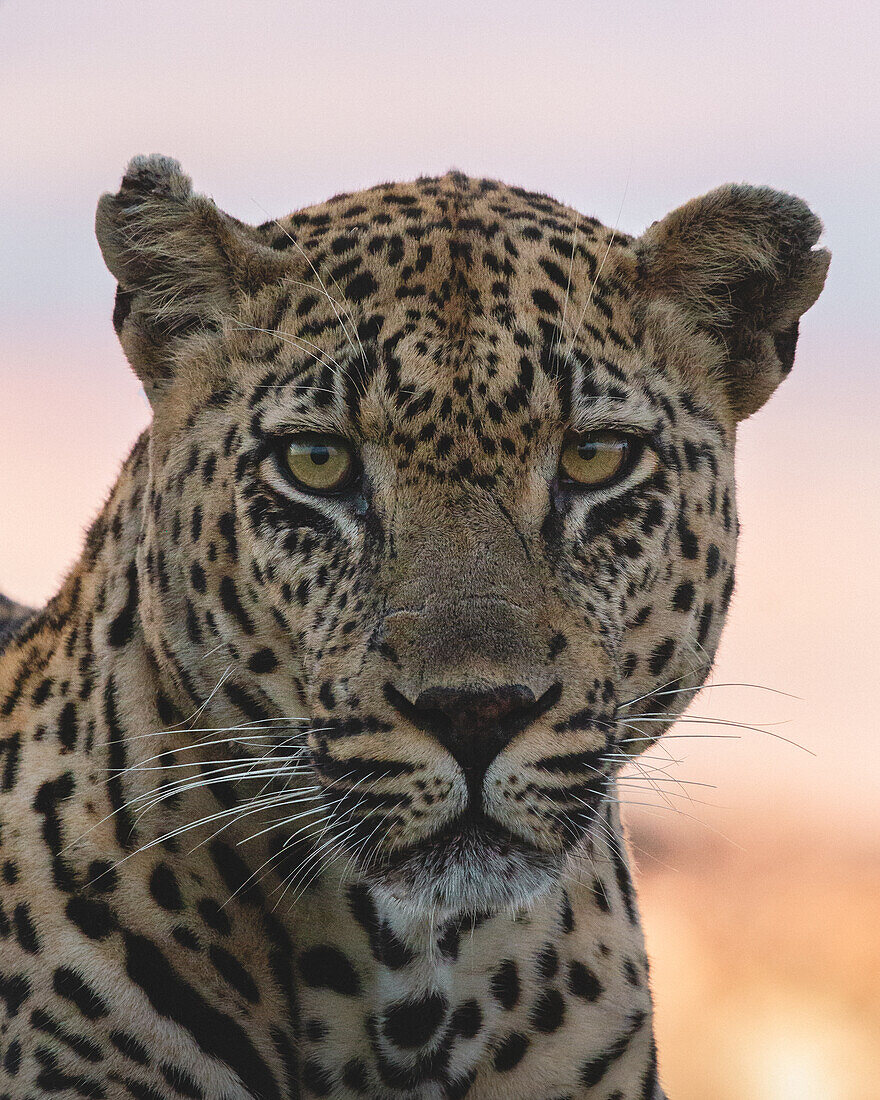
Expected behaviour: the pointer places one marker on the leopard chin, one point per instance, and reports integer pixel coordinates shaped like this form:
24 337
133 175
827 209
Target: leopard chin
469 869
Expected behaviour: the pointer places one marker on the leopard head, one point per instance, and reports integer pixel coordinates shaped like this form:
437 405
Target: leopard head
446 470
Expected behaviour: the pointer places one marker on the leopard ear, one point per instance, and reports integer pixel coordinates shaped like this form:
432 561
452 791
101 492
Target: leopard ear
740 261
180 263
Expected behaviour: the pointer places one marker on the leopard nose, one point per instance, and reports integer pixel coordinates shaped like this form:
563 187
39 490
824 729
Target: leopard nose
474 725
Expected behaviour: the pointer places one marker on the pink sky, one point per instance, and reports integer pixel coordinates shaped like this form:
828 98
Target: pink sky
625 114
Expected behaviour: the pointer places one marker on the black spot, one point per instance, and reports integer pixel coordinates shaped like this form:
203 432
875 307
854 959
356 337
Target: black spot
186 937
449 938
547 962
631 973
234 973
459 1087
360 286
197 577
226 527
129 1046
624 884
705 623
68 984
246 703
12 1058
683 598
14 990
510 1051
661 655
92 917
231 603
557 644
505 985
593 1071
181 1081
545 301
690 545
102 876
583 982
143 1092
467 1019
25 932
235 873
713 559
556 274
389 949
727 591
121 629
264 660
315 1078
213 916
410 1024
326 967
67 727
354 1076
567 913
164 888
648 1089
117 759
46 803
52 1078
548 1012
600 895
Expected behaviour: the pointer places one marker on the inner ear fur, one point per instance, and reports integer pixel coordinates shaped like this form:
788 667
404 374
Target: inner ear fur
180 263
741 263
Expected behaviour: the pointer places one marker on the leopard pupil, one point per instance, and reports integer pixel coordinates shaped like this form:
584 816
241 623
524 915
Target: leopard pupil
320 455
587 451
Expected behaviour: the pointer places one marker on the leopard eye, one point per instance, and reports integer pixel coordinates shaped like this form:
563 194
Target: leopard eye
319 463
595 459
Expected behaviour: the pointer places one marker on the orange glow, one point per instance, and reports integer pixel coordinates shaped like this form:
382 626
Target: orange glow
764 959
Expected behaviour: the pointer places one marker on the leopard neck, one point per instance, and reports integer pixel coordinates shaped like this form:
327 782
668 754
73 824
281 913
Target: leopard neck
449 999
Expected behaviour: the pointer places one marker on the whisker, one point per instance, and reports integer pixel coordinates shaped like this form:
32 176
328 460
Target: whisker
698 720
706 687
662 687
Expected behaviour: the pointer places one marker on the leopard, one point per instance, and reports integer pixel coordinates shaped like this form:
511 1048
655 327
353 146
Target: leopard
311 772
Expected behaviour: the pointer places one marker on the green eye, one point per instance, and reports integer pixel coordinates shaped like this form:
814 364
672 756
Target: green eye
320 463
597 458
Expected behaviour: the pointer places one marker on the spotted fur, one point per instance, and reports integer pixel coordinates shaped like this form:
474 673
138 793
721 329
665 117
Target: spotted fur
239 860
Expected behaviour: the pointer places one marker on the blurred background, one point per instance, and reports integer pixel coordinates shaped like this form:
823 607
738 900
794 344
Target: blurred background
761 890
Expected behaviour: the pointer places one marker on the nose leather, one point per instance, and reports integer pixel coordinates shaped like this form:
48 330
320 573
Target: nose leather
474 724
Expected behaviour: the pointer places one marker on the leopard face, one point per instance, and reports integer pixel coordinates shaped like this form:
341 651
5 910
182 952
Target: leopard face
375 503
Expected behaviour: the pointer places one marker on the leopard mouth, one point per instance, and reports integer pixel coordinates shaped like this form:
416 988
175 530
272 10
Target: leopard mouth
472 864
484 856
472 830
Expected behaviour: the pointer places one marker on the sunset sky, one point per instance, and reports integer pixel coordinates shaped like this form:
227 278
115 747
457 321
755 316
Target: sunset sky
624 111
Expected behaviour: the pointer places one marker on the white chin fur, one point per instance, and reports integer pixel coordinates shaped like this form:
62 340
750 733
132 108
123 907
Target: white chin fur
449 883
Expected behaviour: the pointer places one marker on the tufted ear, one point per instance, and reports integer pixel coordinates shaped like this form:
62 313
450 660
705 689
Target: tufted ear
180 263
741 262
